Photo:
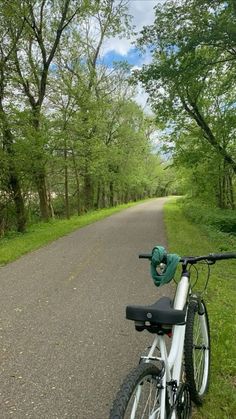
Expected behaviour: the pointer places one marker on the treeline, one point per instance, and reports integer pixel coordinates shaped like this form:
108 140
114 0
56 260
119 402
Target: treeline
191 82
71 137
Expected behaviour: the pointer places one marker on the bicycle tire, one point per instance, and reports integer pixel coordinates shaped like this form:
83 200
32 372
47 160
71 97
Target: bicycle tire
143 378
197 351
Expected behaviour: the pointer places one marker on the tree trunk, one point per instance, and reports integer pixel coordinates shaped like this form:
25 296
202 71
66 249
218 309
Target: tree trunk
39 172
40 180
219 193
13 179
88 192
222 186
67 209
231 192
14 185
98 199
111 194
223 191
52 213
2 219
77 183
126 198
103 197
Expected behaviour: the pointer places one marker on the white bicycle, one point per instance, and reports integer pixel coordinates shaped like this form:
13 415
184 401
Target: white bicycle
165 382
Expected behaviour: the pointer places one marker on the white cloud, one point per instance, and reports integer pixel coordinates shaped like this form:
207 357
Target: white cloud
141 98
120 46
143 14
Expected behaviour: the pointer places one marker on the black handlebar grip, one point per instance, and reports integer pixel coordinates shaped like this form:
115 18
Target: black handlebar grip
222 256
145 256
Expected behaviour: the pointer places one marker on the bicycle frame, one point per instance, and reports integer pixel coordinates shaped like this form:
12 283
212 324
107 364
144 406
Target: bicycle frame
173 361
170 392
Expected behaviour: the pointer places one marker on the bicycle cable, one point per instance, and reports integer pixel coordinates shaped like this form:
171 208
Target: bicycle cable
207 276
205 262
196 280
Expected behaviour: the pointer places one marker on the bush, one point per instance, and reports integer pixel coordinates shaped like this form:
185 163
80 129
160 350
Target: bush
218 219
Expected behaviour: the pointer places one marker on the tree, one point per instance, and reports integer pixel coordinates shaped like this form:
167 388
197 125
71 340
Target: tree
44 23
10 182
87 87
72 138
191 77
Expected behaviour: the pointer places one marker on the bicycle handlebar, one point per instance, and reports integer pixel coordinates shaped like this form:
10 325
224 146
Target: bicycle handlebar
212 257
145 256
221 256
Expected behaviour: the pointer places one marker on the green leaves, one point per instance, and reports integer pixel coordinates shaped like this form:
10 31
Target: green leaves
191 82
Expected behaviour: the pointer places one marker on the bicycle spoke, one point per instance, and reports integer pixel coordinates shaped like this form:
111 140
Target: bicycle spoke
199 369
147 403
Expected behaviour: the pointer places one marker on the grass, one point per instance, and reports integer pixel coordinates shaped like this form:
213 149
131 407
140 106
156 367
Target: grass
187 238
40 234
222 220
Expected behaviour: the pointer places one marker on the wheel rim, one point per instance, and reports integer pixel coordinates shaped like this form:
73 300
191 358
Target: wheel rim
200 353
145 400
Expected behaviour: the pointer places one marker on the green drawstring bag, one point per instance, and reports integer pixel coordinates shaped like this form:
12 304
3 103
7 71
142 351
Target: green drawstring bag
159 255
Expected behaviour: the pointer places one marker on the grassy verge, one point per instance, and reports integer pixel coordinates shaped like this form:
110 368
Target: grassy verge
187 238
40 234
221 220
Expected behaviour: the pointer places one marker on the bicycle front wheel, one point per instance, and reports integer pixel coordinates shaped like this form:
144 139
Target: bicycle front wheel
197 351
139 395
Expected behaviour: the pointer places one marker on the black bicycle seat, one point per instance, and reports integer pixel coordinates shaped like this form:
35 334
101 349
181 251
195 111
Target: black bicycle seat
161 312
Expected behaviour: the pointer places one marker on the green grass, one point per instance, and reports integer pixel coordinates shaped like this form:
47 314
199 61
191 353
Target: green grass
187 238
221 220
40 234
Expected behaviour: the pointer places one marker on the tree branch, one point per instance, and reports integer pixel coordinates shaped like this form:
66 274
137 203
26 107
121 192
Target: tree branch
24 83
208 134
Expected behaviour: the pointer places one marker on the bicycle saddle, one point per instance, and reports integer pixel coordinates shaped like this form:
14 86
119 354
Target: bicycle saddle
161 312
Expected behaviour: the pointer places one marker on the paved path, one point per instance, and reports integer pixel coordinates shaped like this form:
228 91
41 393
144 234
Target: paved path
64 342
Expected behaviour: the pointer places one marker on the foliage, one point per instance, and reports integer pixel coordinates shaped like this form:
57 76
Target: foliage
71 137
191 82
218 219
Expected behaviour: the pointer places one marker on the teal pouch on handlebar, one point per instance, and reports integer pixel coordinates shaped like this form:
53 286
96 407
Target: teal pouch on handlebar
159 255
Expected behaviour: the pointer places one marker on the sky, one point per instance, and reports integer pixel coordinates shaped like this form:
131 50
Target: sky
143 14
116 49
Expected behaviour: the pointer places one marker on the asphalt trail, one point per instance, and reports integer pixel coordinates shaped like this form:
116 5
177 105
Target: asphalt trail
64 342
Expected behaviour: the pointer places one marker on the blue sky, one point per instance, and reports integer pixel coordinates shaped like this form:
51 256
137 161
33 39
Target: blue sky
142 13
132 57
116 49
